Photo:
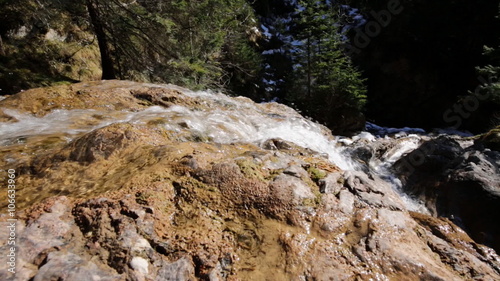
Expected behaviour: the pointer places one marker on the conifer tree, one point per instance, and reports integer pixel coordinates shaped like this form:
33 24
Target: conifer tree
275 17
198 44
491 76
486 96
327 86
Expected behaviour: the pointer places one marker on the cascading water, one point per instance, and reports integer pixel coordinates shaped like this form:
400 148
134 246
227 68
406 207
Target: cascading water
242 121
383 166
234 120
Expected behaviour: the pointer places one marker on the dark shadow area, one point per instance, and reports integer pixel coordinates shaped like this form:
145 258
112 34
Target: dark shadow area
460 184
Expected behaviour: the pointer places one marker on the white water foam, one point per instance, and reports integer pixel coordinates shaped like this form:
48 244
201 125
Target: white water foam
382 168
231 121
68 122
240 121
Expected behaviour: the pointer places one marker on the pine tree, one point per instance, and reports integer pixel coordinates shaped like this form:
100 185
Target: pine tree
328 87
97 20
486 96
275 17
197 44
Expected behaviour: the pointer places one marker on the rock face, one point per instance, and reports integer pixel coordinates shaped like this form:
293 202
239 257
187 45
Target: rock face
459 182
156 199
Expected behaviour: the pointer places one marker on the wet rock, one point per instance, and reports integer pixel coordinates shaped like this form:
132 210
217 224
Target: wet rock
422 169
364 154
296 171
102 142
383 151
373 191
161 96
144 202
140 265
332 184
489 140
68 266
276 144
455 248
6 118
462 184
217 274
346 204
471 195
46 246
291 190
233 184
280 161
200 235
179 270
111 95
432 157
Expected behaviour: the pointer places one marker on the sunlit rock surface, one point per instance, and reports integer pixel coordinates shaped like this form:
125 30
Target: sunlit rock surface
127 181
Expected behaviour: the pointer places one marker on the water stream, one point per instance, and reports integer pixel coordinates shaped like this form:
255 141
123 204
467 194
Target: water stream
239 121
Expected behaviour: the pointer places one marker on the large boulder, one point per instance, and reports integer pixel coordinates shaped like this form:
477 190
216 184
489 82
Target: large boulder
459 181
470 195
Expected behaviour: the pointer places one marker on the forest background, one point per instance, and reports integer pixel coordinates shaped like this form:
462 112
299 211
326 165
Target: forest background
397 63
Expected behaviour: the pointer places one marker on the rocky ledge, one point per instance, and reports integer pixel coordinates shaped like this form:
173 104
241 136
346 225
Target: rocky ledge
159 200
458 180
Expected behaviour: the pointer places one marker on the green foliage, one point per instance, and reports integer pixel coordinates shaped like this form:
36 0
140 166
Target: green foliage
316 174
43 45
487 94
491 73
197 44
30 67
14 13
326 85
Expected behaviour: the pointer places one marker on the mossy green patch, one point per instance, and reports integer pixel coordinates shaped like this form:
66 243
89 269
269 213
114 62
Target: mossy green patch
250 169
40 62
490 139
272 174
316 174
187 181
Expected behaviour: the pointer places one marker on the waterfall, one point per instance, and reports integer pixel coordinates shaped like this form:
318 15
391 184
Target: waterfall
233 120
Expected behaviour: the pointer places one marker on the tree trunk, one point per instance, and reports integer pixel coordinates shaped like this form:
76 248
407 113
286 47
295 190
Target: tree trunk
108 70
309 67
2 50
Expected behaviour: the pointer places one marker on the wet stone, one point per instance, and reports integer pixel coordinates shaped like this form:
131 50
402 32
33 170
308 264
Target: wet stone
147 200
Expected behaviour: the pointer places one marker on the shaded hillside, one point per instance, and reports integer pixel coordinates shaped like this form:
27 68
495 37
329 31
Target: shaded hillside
44 45
197 44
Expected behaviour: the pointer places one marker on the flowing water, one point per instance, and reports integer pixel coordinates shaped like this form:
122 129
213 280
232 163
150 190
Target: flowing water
383 168
241 121
232 120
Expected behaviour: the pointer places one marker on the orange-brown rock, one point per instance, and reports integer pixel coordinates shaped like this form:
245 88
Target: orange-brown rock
154 199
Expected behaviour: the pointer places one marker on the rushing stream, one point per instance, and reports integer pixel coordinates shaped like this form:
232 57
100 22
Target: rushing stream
242 121
164 182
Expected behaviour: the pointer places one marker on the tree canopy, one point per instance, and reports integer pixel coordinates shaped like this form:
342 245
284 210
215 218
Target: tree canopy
400 62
